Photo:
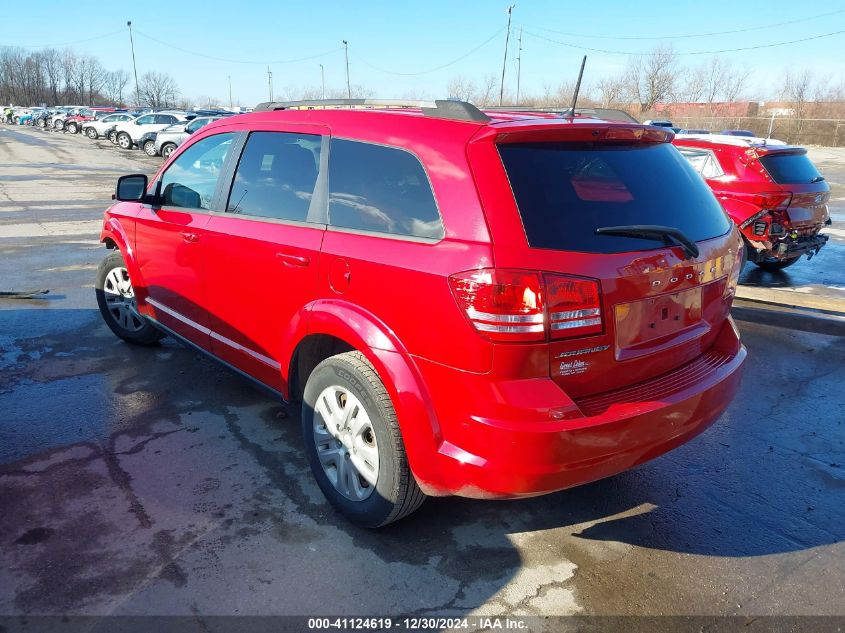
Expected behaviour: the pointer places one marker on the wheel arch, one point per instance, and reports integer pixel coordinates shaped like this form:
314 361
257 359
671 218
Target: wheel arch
115 236
334 327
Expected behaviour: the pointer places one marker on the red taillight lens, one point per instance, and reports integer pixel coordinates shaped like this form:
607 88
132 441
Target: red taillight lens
574 306
505 305
516 305
772 200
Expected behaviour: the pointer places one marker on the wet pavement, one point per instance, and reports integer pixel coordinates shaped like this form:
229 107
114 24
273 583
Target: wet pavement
151 481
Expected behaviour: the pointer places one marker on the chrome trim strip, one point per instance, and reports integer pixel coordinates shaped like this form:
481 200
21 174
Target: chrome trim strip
565 325
509 329
259 357
218 337
504 318
177 316
575 314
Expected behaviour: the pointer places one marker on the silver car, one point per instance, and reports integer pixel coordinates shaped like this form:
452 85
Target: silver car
172 137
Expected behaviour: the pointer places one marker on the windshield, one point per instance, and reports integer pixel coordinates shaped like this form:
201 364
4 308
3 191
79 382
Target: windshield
790 169
565 191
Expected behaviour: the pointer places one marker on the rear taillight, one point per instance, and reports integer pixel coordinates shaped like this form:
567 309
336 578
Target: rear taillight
527 306
574 306
771 200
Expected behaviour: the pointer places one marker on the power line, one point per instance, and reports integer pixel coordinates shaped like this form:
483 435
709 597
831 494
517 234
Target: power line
678 36
441 67
237 61
713 52
54 45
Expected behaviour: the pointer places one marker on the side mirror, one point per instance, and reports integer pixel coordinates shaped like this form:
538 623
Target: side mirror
131 188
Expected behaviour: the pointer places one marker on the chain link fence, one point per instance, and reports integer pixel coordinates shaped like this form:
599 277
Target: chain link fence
824 132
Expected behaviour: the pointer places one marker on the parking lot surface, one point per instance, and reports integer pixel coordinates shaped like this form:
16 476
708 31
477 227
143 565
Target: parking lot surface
152 481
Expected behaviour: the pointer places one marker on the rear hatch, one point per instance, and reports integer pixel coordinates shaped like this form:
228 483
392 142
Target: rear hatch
794 172
620 309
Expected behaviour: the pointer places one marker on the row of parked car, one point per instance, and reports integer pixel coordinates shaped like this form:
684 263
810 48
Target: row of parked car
155 132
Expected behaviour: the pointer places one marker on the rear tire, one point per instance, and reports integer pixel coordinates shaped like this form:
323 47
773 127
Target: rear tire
116 300
354 445
58 125
72 127
124 140
150 148
113 137
91 133
167 150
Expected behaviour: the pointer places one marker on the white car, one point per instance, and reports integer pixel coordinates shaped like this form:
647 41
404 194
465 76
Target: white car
129 133
97 128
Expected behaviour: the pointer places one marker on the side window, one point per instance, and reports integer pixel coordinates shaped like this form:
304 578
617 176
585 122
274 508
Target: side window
276 176
703 161
165 119
146 119
191 180
383 189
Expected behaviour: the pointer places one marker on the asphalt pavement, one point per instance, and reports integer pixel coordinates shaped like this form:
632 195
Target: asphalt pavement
152 481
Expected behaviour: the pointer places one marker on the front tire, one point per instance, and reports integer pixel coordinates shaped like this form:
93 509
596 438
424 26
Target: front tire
353 443
113 137
167 150
58 125
116 300
124 140
91 133
72 127
150 148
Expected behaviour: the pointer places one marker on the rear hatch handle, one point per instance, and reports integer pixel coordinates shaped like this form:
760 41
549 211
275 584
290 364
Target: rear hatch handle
667 234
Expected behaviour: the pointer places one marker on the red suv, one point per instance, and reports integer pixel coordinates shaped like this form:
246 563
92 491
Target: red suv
479 304
773 193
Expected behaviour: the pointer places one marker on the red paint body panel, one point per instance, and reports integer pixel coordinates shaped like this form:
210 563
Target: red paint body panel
745 178
478 418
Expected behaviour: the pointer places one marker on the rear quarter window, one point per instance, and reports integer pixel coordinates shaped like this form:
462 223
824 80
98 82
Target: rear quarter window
790 169
565 191
381 189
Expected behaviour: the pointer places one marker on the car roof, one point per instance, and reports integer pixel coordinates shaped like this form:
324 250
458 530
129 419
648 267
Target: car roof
373 117
701 140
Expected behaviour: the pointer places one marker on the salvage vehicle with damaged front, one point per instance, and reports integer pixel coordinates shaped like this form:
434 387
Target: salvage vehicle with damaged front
772 191
485 304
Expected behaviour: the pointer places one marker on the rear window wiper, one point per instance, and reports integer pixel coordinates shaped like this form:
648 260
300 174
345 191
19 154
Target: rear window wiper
667 234
817 179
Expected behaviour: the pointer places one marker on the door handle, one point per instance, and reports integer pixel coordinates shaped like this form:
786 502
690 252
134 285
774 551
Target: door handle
293 260
190 237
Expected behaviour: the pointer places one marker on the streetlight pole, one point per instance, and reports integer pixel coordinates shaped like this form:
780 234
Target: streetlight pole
134 66
519 66
346 50
505 61
230 92
270 82
323 81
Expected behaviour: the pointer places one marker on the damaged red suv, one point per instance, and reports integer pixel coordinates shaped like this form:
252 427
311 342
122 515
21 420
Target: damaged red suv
481 304
772 192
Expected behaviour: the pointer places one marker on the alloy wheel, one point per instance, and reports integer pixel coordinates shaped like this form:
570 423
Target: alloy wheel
120 300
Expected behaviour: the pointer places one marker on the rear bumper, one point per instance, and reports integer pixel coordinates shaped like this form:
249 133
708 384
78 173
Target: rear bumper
511 458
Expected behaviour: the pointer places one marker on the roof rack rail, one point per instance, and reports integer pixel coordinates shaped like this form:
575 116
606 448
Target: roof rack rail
439 108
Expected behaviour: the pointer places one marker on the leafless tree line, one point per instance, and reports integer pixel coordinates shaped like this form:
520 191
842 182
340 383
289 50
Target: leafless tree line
58 77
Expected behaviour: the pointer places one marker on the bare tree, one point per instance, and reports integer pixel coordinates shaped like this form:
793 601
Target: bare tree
461 88
114 83
158 90
651 78
610 90
797 88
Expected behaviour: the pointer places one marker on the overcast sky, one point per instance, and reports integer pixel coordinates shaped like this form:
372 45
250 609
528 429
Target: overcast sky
402 48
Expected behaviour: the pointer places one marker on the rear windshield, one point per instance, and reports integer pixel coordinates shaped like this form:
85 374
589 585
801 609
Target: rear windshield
790 169
565 191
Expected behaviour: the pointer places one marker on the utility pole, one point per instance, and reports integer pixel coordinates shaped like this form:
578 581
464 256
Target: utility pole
519 66
134 67
505 61
230 92
270 82
348 88
323 82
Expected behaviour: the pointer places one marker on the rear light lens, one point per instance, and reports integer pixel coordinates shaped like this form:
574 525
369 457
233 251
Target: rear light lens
522 306
574 306
772 200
